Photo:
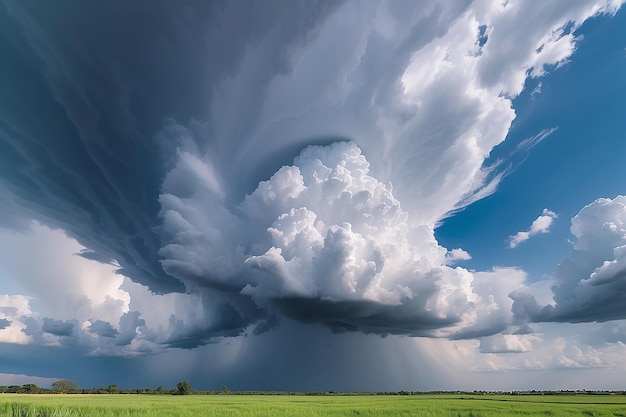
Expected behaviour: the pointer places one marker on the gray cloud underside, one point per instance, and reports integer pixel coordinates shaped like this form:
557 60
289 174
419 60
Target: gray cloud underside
57 327
103 328
362 316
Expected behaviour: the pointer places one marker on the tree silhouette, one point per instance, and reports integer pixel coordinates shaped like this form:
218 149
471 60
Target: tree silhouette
31 388
64 386
183 388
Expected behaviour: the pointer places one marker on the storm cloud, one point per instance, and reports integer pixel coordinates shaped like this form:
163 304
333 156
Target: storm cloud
57 327
249 163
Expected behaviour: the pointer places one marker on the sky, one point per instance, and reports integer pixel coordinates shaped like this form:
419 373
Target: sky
313 195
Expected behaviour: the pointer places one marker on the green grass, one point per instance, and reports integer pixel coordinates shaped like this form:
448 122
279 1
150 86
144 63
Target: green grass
444 405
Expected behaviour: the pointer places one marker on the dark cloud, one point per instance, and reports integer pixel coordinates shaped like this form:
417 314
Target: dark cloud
86 86
224 315
363 316
57 327
103 328
74 154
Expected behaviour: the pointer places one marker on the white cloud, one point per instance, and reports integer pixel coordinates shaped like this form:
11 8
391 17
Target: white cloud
320 228
325 235
330 227
14 309
21 379
426 119
506 343
65 285
542 38
587 286
65 295
548 348
539 226
610 271
529 143
458 254
493 312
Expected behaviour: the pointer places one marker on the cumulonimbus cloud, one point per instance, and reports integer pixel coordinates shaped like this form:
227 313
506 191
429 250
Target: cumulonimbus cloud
407 101
322 241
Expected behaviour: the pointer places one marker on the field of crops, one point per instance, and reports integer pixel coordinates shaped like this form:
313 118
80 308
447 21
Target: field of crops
328 406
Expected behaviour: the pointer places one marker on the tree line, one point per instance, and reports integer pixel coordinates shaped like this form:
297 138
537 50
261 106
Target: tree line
66 386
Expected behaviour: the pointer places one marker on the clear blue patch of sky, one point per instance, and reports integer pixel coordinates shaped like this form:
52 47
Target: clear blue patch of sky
584 159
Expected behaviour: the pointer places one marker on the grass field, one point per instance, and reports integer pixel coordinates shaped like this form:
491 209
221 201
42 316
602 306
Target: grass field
445 405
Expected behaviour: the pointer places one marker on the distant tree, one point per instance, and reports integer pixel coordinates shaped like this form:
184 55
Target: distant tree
159 390
183 388
224 390
64 386
31 388
113 389
100 390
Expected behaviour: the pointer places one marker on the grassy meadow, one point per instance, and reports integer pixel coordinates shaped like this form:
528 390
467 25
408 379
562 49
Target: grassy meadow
444 405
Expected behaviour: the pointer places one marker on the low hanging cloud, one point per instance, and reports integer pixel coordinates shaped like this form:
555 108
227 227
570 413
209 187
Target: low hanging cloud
57 327
539 226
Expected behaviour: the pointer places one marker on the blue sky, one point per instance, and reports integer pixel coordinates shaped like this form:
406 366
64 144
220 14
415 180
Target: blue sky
313 195
584 102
